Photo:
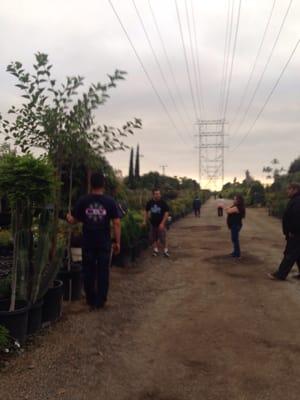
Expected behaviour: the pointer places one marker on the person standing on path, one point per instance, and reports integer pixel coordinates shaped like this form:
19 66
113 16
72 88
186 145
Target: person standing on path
291 231
157 212
96 211
220 205
197 206
235 215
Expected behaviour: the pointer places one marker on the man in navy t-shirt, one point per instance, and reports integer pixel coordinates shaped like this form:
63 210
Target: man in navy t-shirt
157 212
96 211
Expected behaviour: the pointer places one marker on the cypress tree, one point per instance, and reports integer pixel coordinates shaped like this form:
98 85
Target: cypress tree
131 171
137 164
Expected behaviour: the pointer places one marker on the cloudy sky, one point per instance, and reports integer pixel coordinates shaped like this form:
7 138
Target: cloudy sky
86 38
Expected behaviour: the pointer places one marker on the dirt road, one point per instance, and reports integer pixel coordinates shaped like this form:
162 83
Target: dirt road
197 326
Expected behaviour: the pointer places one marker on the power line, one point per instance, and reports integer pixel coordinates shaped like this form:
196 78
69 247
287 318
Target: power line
265 68
198 101
168 60
227 56
255 63
146 73
269 96
186 59
233 57
221 95
197 56
158 63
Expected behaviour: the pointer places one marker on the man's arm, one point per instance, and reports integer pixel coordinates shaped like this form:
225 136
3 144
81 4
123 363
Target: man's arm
71 220
117 235
164 220
146 217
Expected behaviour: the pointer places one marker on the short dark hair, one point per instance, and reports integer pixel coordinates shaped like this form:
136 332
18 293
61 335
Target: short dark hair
97 180
294 186
155 190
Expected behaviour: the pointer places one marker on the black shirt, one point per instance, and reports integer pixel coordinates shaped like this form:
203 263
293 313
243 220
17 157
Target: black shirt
235 218
157 211
96 211
196 204
291 217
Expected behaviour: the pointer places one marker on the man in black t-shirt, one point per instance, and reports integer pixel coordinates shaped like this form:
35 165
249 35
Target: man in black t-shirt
157 212
96 211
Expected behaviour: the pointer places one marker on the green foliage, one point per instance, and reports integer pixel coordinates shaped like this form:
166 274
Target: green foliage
5 238
131 178
131 229
4 338
56 116
295 166
29 184
137 164
26 179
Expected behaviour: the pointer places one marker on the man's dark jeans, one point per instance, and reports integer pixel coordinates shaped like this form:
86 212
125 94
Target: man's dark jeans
95 263
197 212
235 230
291 256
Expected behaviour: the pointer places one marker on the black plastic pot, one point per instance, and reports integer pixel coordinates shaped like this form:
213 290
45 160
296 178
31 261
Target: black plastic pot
52 307
15 321
71 280
5 220
35 318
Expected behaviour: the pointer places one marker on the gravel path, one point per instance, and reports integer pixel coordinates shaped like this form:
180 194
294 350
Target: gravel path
197 326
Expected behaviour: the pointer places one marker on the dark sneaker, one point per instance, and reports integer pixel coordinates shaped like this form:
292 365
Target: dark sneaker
274 277
166 254
155 253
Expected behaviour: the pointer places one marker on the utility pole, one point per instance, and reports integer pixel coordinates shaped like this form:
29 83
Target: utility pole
211 145
163 167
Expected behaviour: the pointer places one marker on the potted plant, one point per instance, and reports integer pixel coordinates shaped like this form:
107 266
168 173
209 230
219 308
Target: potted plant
28 184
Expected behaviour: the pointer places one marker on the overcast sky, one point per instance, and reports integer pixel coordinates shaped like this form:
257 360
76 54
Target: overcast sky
85 37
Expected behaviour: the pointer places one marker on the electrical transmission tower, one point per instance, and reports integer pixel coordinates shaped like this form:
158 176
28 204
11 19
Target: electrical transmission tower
211 146
163 167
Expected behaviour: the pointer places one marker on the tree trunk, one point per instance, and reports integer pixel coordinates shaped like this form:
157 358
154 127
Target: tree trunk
69 210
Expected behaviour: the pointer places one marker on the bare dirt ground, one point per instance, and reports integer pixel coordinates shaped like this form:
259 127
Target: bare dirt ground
199 325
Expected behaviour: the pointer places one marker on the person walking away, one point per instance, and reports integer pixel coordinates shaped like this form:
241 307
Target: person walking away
197 206
157 212
291 231
96 211
235 215
220 205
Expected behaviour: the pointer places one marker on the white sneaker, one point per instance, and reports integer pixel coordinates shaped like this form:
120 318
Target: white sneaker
155 253
166 254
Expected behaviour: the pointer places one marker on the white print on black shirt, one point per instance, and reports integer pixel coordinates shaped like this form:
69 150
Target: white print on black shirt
155 209
96 212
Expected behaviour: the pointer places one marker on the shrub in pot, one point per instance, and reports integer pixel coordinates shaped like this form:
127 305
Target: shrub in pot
6 244
28 184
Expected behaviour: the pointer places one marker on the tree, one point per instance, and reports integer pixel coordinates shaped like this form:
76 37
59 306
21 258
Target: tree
248 178
275 171
131 180
29 185
295 166
53 117
137 163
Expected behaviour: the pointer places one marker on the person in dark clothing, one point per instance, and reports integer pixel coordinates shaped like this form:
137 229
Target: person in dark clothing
291 231
197 206
96 211
220 206
157 212
235 214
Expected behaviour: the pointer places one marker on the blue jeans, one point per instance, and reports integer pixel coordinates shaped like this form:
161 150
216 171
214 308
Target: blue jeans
235 230
95 265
